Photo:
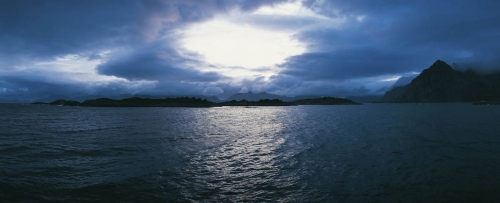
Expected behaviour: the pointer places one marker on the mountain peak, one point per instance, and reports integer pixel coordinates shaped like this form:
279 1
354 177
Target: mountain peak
249 96
439 61
440 83
440 65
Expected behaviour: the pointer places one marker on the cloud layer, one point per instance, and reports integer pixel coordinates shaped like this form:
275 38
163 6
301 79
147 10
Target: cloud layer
353 47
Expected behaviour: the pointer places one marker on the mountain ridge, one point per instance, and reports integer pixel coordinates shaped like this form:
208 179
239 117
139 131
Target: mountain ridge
441 83
250 96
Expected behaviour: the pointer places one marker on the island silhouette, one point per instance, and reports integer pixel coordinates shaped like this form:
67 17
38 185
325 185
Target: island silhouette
195 102
438 83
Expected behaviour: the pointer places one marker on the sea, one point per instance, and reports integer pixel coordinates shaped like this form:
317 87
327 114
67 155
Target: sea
359 153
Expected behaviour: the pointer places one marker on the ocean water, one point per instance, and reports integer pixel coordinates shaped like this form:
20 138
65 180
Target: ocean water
367 153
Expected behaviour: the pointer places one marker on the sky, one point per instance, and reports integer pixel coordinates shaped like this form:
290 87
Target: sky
75 48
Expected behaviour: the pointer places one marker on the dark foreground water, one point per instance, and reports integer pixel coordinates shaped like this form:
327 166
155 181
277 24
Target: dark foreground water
368 153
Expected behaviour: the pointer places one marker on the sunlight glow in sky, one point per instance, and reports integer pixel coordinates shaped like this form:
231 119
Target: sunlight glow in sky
288 9
228 44
393 78
286 47
73 67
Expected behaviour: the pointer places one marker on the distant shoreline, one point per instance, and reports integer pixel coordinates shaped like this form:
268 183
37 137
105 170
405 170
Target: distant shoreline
194 102
203 103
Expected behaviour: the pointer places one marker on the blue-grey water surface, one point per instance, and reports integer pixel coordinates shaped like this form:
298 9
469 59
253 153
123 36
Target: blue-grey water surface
367 153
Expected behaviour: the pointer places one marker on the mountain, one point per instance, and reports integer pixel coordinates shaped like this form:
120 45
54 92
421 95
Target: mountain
299 100
441 83
402 81
137 102
262 102
80 98
325 101
365 99
396 90
148 96
209 98
393 93
263 95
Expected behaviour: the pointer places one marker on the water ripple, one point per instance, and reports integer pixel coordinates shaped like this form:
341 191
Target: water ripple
369 153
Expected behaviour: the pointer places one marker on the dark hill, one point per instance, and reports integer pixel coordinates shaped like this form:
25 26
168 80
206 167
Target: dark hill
146 102
324 101
249 96
441 83
393 93
262 102
365 99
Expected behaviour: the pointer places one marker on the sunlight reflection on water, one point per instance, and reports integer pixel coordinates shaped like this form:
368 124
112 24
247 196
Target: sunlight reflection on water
365 153
245 163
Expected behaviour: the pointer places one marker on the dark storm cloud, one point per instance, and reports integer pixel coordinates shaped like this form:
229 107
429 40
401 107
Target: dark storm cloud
383 38
34 31
377 39
346 64
282 84
47 28
28 89
19 88
163 64
395 37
